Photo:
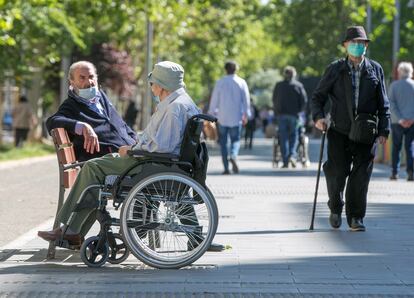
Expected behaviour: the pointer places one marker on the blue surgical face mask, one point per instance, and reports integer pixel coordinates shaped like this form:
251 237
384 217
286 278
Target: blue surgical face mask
155 99
356 49
88 93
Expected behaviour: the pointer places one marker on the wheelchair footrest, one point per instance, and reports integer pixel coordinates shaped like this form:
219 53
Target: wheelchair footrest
66 244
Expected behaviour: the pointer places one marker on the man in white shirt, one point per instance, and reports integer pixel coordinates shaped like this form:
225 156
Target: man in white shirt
230 103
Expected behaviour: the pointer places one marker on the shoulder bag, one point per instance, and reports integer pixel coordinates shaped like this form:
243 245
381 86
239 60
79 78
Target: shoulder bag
364 126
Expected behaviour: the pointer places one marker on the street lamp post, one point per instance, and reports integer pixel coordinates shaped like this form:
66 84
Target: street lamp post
64 80
146 103
396 35
368 21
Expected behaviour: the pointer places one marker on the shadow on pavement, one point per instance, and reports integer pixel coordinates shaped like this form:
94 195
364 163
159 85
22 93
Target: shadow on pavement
270 232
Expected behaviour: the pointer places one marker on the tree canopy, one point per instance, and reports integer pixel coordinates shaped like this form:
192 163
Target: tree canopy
199 34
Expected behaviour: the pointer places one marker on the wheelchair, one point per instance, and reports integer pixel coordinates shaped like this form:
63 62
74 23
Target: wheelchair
168 215
302 149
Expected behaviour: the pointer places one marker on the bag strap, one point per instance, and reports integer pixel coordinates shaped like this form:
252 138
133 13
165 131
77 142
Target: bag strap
348 96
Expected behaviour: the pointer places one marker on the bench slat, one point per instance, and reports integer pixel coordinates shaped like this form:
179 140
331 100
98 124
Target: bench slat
69 177
66 155
60 136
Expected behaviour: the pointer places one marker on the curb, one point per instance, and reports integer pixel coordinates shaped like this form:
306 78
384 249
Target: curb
25 161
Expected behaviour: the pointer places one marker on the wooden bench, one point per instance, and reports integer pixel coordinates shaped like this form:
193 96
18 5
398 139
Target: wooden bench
68 170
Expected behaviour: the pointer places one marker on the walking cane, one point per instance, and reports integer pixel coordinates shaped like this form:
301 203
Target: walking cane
317 179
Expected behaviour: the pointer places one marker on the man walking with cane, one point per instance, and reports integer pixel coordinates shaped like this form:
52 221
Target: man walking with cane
360 119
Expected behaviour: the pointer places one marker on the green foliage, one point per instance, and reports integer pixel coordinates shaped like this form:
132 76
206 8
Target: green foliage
199 34
32 34
261 86
381 47
8 152
312 31
216 32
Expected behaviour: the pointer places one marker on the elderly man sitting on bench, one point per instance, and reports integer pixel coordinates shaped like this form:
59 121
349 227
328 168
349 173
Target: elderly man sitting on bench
94 126
163 134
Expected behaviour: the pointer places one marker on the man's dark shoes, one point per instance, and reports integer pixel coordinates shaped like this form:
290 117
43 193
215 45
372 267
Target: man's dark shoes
213 246
73 239
410 176
226 172
357 225
216 247
335 220
394 177
234 165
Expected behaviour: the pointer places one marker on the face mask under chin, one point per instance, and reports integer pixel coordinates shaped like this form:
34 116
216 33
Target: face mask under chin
88 93
155 99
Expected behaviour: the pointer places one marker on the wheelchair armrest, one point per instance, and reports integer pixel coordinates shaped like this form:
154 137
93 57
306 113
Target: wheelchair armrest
73 165
204 117
155 155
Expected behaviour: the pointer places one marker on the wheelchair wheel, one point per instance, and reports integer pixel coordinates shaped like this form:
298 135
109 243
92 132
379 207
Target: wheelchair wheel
276 152
90 255
174 223
118 251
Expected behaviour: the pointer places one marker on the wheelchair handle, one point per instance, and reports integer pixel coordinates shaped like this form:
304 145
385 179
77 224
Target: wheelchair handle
204 117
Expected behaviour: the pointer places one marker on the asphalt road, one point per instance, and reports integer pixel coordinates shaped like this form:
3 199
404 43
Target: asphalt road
28 195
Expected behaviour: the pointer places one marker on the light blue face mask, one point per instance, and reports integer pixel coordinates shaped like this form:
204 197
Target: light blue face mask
155 99
356 49
88 93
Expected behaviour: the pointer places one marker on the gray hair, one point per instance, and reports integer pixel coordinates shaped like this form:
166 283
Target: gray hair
81 64
405 70
289 72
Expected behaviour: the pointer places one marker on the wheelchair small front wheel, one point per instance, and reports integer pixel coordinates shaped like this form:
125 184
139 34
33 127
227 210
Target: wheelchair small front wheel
93 256
118 251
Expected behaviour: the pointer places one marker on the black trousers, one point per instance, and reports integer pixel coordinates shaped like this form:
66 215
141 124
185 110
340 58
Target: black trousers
248 136
352 161
20 136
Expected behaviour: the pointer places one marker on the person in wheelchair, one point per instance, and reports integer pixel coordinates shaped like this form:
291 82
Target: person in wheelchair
164 134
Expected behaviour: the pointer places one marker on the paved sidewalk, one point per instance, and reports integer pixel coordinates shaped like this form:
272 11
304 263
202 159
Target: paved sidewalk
264 217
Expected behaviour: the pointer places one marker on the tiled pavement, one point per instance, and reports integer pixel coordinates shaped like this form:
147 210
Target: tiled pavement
264 218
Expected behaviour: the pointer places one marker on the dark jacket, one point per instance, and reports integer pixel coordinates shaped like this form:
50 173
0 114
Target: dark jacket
372 95
289 98
111 130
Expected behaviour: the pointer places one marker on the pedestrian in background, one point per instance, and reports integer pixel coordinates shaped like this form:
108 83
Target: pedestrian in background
230 103
264 117
251 126
354 84
23 120
401 96
131 114
289 100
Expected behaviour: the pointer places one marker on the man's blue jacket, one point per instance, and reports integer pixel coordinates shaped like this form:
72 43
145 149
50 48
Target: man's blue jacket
111 130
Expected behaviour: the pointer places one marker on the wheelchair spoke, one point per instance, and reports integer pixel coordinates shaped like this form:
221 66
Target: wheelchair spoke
189 219
177 193
139 225
156 190
166 219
